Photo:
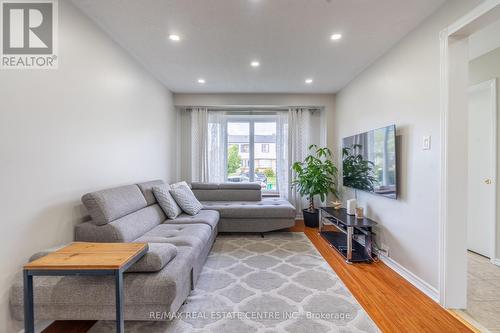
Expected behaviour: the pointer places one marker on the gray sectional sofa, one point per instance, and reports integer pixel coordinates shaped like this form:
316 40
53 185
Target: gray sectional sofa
132 214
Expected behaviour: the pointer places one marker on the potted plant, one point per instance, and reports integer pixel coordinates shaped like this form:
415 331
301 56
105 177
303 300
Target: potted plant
315 176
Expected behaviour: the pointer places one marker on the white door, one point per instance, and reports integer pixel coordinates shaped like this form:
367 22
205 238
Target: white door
481 168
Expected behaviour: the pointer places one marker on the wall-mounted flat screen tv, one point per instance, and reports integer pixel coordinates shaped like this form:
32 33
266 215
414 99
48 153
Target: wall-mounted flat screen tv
369 162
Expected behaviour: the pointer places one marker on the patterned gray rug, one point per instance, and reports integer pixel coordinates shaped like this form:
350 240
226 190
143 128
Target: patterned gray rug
279 283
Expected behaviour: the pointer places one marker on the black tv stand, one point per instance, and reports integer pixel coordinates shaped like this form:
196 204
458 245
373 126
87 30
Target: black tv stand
343 240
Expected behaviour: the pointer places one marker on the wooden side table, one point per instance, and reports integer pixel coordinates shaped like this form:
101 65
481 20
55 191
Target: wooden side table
83 259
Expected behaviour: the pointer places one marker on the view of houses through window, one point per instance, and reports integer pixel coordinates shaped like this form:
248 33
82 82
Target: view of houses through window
251 151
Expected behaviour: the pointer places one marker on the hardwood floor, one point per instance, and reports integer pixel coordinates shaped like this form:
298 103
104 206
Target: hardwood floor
70 326
392 302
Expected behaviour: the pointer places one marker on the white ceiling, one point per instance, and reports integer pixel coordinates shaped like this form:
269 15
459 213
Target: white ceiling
290 38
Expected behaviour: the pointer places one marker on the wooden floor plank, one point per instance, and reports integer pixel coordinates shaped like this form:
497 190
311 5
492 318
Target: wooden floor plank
393 303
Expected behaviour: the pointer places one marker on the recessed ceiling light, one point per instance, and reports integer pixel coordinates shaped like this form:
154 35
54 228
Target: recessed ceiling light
336 37
255 64
309 81
175 38
201 81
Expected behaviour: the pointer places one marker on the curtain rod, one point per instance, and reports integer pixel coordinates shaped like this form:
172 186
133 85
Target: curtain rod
250 107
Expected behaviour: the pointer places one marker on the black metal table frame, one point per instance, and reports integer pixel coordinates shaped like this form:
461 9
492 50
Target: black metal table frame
349 234
29 313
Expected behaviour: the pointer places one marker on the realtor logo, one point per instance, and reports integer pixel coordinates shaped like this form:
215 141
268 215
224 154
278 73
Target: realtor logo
29 34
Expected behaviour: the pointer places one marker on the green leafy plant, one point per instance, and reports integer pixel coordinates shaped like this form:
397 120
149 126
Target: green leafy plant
316 175
357 171
233 159
269 173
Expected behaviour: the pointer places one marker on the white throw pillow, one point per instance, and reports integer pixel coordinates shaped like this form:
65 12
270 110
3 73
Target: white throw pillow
186 199
166 201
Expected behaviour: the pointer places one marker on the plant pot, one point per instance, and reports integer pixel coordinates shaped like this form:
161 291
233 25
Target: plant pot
311 219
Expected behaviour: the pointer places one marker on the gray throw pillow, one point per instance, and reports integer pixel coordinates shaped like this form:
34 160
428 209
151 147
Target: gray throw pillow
157 257
166 202
186 200
176 185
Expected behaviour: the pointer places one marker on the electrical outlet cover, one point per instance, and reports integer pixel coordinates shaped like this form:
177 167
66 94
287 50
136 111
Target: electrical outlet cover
426 142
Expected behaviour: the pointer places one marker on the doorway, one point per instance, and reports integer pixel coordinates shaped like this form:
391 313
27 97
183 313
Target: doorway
482 165
469 280
483 276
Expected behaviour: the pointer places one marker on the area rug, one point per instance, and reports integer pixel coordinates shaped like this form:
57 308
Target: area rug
279 283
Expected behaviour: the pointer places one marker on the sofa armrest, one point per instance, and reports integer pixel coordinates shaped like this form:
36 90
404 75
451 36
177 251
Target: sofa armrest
227 191
43 253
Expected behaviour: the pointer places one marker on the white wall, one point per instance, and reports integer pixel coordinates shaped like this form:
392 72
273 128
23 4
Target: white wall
402 88
484 41
98 121
482 69
321 134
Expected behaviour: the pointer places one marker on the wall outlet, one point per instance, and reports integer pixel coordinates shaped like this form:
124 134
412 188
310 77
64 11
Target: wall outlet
384 249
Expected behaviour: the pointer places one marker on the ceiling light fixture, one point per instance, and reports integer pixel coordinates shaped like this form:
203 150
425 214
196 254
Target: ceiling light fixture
201 81
174 38
255 64
336 37
308 81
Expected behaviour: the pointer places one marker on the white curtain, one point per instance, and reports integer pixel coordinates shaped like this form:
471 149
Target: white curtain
299 123
217 147
282 153
199 145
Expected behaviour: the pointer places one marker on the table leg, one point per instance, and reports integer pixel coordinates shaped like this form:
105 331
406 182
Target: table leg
320 221
119 301
350 231
29 315
368 243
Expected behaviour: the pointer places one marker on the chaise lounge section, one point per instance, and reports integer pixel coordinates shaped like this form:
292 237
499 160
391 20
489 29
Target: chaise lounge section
242 208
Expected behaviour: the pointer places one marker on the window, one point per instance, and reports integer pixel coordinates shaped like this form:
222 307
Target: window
251 150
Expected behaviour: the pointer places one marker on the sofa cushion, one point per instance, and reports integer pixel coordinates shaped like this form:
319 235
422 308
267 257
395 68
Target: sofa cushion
266 208
204 186
186 200
227 185
147 190
158 255
210 217
194 235
166 201
124 229
227 191
108 205
240 186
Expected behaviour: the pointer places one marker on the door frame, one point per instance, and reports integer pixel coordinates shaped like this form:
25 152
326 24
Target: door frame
453 109
491 85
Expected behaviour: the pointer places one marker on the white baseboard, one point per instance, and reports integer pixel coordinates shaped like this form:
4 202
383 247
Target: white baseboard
495 261
412 278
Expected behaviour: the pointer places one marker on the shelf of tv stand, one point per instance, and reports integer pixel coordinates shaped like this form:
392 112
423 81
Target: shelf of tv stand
339 239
